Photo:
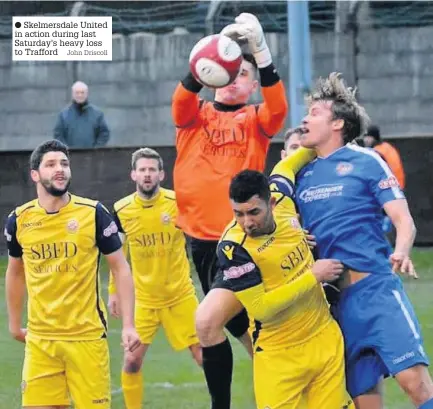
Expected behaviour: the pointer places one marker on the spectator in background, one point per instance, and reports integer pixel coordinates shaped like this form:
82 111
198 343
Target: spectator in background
388 152
81 124
392 157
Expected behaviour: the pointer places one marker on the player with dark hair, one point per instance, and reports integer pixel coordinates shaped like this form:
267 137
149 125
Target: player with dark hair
214 141
267 267
164 291
340 196
54 244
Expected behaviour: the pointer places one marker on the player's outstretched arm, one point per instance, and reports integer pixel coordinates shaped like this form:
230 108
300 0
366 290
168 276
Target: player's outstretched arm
185 102
282 177
15 281
273 111
293 163
243 276
383 185
265 305
399 213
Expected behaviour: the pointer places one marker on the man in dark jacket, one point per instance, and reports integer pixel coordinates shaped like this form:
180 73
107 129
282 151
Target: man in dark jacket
81 124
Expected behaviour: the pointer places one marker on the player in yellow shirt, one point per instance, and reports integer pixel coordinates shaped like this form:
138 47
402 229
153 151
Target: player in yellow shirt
165 294
54 244
267 267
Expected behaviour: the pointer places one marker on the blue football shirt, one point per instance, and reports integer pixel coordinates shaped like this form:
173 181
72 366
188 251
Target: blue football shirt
340 199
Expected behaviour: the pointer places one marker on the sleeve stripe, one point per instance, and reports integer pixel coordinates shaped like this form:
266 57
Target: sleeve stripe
398 194
24 210
282 181
228 229
85 204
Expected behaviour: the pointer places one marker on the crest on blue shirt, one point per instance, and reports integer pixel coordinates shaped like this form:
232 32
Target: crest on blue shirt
344 168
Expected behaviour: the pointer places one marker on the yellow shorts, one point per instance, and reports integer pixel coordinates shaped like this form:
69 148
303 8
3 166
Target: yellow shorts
178 322
55 371
306 376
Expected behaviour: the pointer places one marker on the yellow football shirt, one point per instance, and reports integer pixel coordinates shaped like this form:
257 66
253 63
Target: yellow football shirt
271 275
61 253
157 249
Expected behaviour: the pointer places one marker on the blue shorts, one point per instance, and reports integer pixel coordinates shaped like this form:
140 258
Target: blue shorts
381 332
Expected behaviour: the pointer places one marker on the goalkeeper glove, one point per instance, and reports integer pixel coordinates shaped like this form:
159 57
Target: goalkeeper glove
248 27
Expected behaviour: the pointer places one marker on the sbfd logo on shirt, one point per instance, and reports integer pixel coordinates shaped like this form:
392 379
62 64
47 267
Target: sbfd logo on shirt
344 168
389 183
72 226
111 229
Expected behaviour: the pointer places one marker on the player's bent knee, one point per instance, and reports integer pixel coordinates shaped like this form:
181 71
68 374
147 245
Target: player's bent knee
207 326
133 361
132 365
417 383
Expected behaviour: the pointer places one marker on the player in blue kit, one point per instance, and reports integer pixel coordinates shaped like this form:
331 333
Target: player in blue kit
340 196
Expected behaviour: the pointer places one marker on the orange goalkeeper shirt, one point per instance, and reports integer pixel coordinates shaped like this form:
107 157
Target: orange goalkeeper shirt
213 145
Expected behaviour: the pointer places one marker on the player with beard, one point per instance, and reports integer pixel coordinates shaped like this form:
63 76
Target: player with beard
54 245
165 294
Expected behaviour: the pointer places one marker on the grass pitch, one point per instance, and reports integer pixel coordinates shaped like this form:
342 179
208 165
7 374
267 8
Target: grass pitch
173 380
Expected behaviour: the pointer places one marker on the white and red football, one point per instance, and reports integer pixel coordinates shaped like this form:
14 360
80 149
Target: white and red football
215 61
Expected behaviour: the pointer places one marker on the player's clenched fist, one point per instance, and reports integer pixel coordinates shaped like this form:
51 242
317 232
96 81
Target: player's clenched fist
402 263
327 270
19 335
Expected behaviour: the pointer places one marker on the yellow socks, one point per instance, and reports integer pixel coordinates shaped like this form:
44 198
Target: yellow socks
132 386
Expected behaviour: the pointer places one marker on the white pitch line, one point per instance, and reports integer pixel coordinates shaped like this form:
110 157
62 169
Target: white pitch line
164 385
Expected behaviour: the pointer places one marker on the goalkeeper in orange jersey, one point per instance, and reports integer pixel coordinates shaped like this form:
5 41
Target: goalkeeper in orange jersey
165 294
214 141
